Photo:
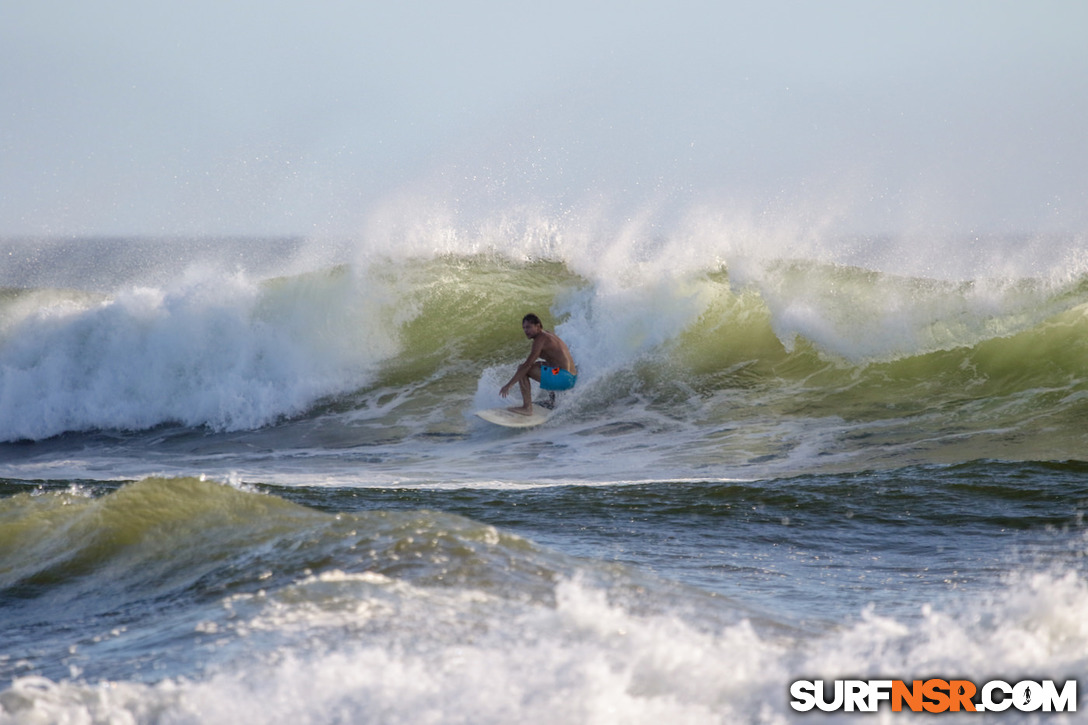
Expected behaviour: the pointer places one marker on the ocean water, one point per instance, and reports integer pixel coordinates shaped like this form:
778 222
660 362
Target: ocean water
241 479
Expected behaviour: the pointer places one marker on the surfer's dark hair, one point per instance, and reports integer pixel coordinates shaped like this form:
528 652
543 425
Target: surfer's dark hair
532 319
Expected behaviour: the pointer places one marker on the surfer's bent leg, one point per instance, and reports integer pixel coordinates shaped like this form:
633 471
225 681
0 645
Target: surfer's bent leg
527 392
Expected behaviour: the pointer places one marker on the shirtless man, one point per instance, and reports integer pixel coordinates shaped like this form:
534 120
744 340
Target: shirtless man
549 363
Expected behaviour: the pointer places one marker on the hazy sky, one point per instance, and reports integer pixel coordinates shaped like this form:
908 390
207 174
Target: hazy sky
230 116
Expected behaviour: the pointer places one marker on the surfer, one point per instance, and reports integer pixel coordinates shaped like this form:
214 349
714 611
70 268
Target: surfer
549 363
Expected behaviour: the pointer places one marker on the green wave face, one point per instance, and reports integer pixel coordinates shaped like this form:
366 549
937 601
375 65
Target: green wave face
989 360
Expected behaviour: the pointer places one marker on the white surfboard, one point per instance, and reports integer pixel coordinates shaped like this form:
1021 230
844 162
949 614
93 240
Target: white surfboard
510 419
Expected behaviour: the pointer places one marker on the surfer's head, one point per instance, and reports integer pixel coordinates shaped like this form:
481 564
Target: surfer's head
532 325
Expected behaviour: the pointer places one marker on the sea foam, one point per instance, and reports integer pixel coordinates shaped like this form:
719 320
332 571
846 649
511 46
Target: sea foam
584 660
214 350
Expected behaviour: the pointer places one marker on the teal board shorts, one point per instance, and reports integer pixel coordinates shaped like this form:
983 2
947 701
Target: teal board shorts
553 378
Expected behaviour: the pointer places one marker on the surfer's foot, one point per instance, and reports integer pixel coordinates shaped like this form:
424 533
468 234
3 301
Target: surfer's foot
548 402
521 411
